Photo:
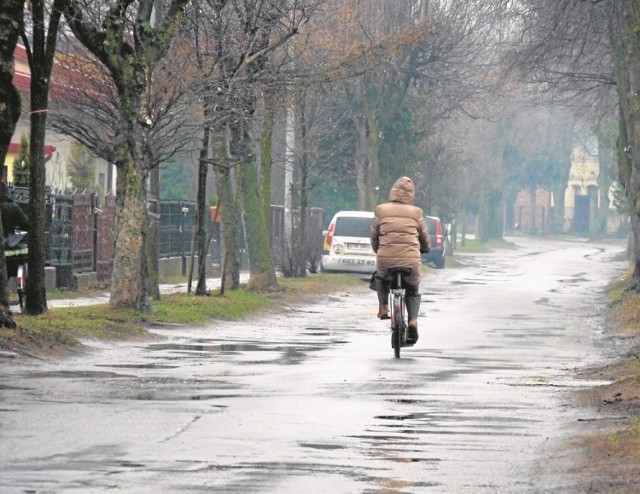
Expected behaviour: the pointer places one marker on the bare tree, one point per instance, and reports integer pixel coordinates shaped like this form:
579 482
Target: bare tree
388 64
244 36
41 49
121 36
589 50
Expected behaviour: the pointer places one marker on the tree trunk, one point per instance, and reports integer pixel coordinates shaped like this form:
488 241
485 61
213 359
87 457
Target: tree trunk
629 95
6 319
494 214
373 162
131 69
632 186
620 56
201 205
532 209
481 220
267 150
228 211
367 160
561 171
301 249
605 162
130 279
556 220
40 63
11 24
361 161
153 248
36 288
261 268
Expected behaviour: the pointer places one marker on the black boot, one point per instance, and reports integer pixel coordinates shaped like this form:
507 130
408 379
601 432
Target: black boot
413 307
412 332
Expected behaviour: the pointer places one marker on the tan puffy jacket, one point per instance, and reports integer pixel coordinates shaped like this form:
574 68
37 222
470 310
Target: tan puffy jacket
398 231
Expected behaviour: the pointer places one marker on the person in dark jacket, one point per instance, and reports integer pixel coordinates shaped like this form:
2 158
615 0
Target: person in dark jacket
12 214
398 235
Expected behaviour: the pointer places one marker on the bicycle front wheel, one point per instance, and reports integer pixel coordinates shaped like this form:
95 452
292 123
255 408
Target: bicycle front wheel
21 283
396 341
397 325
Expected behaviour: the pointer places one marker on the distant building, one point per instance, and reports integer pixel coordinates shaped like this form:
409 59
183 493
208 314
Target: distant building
582 199
582 196
57 147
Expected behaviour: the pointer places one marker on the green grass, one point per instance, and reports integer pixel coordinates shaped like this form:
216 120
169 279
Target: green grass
624 306
68 326
474 246
471 246
71 294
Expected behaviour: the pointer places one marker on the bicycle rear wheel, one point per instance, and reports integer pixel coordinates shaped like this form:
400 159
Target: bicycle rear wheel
398 328
396 341
21 283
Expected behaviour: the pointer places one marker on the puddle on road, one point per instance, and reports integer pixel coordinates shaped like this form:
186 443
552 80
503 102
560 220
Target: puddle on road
289 354
79 374
168 396
468 282
209 348
171 389
5 387
140 366
321 446
554 382
318 331
573 281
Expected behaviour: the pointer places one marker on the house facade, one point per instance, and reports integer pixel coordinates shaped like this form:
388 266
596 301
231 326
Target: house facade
583 199
58 148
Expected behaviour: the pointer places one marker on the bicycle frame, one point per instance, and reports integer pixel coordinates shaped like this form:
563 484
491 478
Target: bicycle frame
16 260
398 310
21 284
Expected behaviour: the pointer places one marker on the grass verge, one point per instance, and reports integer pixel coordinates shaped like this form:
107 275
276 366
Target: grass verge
611 456
474 246
59 331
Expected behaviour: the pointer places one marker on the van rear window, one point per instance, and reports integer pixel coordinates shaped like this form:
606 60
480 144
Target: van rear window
352 227
431 224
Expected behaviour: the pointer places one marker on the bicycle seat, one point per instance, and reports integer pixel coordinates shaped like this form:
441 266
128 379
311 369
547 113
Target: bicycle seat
392 274
403 270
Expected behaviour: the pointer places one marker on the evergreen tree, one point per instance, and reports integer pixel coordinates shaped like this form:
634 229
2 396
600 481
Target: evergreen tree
21 164
81 169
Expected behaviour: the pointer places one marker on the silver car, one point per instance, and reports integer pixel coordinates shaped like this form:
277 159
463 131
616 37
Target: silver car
346 245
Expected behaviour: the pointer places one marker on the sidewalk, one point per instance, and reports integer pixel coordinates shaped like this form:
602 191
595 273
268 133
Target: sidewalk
103 298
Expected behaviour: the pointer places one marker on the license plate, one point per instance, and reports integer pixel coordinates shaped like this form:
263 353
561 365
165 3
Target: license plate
358 246
358 262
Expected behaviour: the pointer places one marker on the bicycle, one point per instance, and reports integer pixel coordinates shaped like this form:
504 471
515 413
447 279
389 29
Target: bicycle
396 276
16 252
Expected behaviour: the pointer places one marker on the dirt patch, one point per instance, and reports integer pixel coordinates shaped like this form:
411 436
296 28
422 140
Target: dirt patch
607 448
19 341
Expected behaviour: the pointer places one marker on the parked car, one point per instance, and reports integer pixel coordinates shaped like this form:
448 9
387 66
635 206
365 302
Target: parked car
347 247
436 235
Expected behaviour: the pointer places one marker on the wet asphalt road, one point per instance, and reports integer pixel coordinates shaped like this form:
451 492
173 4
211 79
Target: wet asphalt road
313 401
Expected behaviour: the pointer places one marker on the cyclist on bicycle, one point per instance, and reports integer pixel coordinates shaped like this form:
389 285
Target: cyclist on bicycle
398 235
12 214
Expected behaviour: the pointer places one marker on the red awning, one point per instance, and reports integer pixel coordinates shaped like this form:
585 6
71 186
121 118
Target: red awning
14 148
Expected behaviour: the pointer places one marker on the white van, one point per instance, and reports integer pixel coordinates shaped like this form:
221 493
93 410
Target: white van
346 245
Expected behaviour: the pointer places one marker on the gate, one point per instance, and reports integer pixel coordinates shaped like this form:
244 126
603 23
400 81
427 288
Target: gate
59 236
82 260
581 215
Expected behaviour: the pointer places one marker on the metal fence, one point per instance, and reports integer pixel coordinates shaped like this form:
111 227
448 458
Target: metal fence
80 232
177 223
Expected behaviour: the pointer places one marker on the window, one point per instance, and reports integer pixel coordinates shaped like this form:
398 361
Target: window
352 227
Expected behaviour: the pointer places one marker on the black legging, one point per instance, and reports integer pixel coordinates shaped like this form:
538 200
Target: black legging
411 297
